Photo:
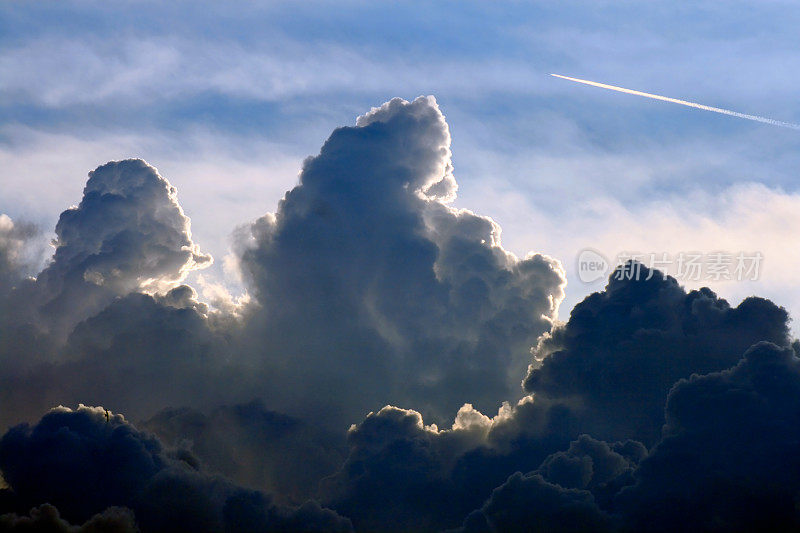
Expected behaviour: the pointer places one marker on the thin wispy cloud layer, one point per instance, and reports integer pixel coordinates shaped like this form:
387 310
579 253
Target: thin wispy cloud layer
373 304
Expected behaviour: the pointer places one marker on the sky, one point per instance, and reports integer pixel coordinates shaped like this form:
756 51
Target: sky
226 100
371 215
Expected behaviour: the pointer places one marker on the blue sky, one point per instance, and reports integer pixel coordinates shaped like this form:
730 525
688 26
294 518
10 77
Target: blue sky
226 101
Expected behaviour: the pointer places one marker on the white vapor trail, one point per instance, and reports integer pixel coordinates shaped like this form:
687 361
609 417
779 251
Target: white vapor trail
765 120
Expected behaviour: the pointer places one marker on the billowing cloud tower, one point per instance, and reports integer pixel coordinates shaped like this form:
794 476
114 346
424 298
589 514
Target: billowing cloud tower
374 290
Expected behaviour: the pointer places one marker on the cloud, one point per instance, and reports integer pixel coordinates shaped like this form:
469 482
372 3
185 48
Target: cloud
400 282
255 56
571 490
366 271
16 338
607 372
87 460
639 194
143 352
729 452
13 240
401 474
396 475
617 357
255 446
594 465
367 288
529 503
21 339
146 71
128 234
42 167
47 518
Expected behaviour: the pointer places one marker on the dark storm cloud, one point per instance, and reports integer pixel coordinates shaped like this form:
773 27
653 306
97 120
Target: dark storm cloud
137 355
396 476
623 348
594 465
142 352
258 447
529 503
401 474
571 490
644 334
46 518
86 460
730 453
374 291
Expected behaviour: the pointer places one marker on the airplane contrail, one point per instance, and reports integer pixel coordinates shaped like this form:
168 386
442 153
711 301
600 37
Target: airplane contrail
695 105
